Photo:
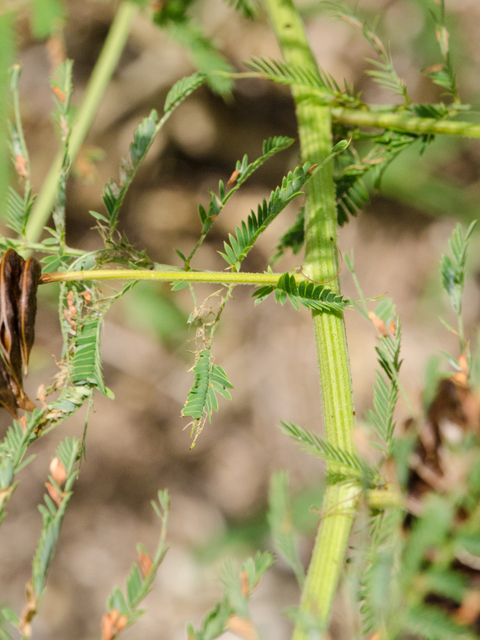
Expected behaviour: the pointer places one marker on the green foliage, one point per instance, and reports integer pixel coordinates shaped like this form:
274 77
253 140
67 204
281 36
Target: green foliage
243 171
61 83
351 193
444 76
385 391
309 441
452 268
142 574
248 8
316 297
281 526
289 74
46 17
53 513
87 359
114 193
7 55
174 18
247 234
17 211
384 74
377 592
182 89
238 586
210 380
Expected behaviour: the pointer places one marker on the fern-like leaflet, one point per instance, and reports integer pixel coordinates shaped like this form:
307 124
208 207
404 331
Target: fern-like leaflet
17 210
384 74
238 586
243 170
114 193
289 74
385 391
452 268
351 464
209 380
143 137
87 360
123 609
444 75
182 89
247 233
316 297
52 514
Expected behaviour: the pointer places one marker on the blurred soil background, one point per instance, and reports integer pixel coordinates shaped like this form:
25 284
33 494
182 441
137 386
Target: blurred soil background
137 444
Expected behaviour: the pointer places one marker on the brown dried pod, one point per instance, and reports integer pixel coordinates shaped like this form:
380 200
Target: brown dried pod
7 396
18 289
10 272
27 307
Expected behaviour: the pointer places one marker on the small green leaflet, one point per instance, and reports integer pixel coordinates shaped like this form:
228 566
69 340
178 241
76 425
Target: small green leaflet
317 297
87 361
182 89
248 232
210 379
114 193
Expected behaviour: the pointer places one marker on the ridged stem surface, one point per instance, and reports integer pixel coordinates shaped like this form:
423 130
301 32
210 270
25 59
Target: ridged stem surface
321 265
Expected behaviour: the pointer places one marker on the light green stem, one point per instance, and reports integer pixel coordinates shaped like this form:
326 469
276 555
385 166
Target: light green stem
217 277
99 80
321 264
405 123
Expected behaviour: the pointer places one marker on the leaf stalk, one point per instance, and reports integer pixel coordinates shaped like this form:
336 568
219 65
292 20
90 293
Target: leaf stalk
217 277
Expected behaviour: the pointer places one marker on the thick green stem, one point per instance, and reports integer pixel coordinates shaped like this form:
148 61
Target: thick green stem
321 264
99 80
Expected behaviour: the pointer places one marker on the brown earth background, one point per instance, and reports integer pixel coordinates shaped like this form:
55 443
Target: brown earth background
136 444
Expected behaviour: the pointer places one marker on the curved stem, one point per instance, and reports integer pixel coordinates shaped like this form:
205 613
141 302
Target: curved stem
321 264
102 73
219 277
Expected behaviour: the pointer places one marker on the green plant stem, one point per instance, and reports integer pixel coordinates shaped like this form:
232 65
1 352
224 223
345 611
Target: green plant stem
408 124
101 75
218 277
321 264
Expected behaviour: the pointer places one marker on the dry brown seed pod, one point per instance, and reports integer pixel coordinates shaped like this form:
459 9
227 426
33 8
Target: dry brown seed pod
10 272
27 307
7 395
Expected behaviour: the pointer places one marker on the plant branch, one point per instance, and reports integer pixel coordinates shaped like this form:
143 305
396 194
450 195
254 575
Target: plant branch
101 75
405 123
219 277
321 264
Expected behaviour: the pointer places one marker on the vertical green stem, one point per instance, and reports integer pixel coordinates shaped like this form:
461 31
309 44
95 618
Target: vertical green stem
99 80
321 265
7 54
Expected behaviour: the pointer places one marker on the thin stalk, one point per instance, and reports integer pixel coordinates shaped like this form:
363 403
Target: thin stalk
102 73
405 123
217 277
321 265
